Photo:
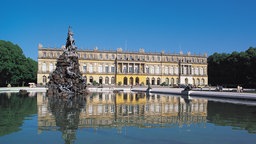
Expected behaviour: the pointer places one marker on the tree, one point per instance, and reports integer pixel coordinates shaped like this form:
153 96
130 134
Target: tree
233 69
15 68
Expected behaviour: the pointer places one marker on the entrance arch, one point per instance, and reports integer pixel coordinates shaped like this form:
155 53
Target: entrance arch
100 80
91 79
158 81
172 81
147 81
198 81
125 80
106 80
167 81
131 81
186 81
153 81
137 81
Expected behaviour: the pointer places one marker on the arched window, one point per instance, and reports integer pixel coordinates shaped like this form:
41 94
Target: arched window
198 81
125 81
91 79
137 81
172 81
44 79
158 81
147 81
100 80
153 81
177 81
106 80
167 81
203 81
186 81
112 80
131 81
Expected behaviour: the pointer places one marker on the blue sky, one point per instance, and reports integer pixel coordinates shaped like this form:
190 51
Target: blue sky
196 26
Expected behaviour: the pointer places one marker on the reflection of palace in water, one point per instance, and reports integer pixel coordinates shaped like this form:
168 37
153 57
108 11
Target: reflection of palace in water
130 109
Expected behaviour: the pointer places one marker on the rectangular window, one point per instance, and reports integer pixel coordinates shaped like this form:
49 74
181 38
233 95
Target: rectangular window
130 69
84 68
147 69
136 69
100 68
106 69
124 69
112 69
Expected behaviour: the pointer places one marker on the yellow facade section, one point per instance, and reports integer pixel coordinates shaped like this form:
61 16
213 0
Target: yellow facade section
132 79
130 98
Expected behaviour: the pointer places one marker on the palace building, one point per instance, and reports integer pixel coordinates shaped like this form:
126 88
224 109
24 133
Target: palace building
129 68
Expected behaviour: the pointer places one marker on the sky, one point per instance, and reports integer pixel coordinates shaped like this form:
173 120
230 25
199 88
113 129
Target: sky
195 26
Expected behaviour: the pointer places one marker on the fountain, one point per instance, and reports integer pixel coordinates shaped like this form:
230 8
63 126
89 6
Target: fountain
66 80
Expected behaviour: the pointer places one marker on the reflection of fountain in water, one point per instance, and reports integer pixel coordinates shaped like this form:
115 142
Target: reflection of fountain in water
66 114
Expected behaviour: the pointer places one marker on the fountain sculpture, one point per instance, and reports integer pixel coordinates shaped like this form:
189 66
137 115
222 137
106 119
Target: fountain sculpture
66 80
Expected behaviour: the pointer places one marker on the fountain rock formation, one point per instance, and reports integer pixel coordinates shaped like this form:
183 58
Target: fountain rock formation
66 80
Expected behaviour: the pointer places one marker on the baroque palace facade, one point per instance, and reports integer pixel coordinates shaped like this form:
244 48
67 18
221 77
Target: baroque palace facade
129 68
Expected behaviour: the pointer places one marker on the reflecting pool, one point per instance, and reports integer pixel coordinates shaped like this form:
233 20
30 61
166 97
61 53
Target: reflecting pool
124 118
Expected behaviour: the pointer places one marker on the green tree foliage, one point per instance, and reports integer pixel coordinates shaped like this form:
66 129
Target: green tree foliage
15 68
233 69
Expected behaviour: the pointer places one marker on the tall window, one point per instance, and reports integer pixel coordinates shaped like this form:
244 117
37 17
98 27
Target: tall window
176 70
106 80
112 80
196 70
201 71
166 70
90 68
147 69
100 68
44 67
51 67
171 70
152 70
112 69
106 69
130 69
157 70
136 69
124 69
44 79
84 68
44 54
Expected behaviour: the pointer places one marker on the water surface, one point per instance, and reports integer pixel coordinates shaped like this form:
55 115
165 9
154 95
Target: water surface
124 118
